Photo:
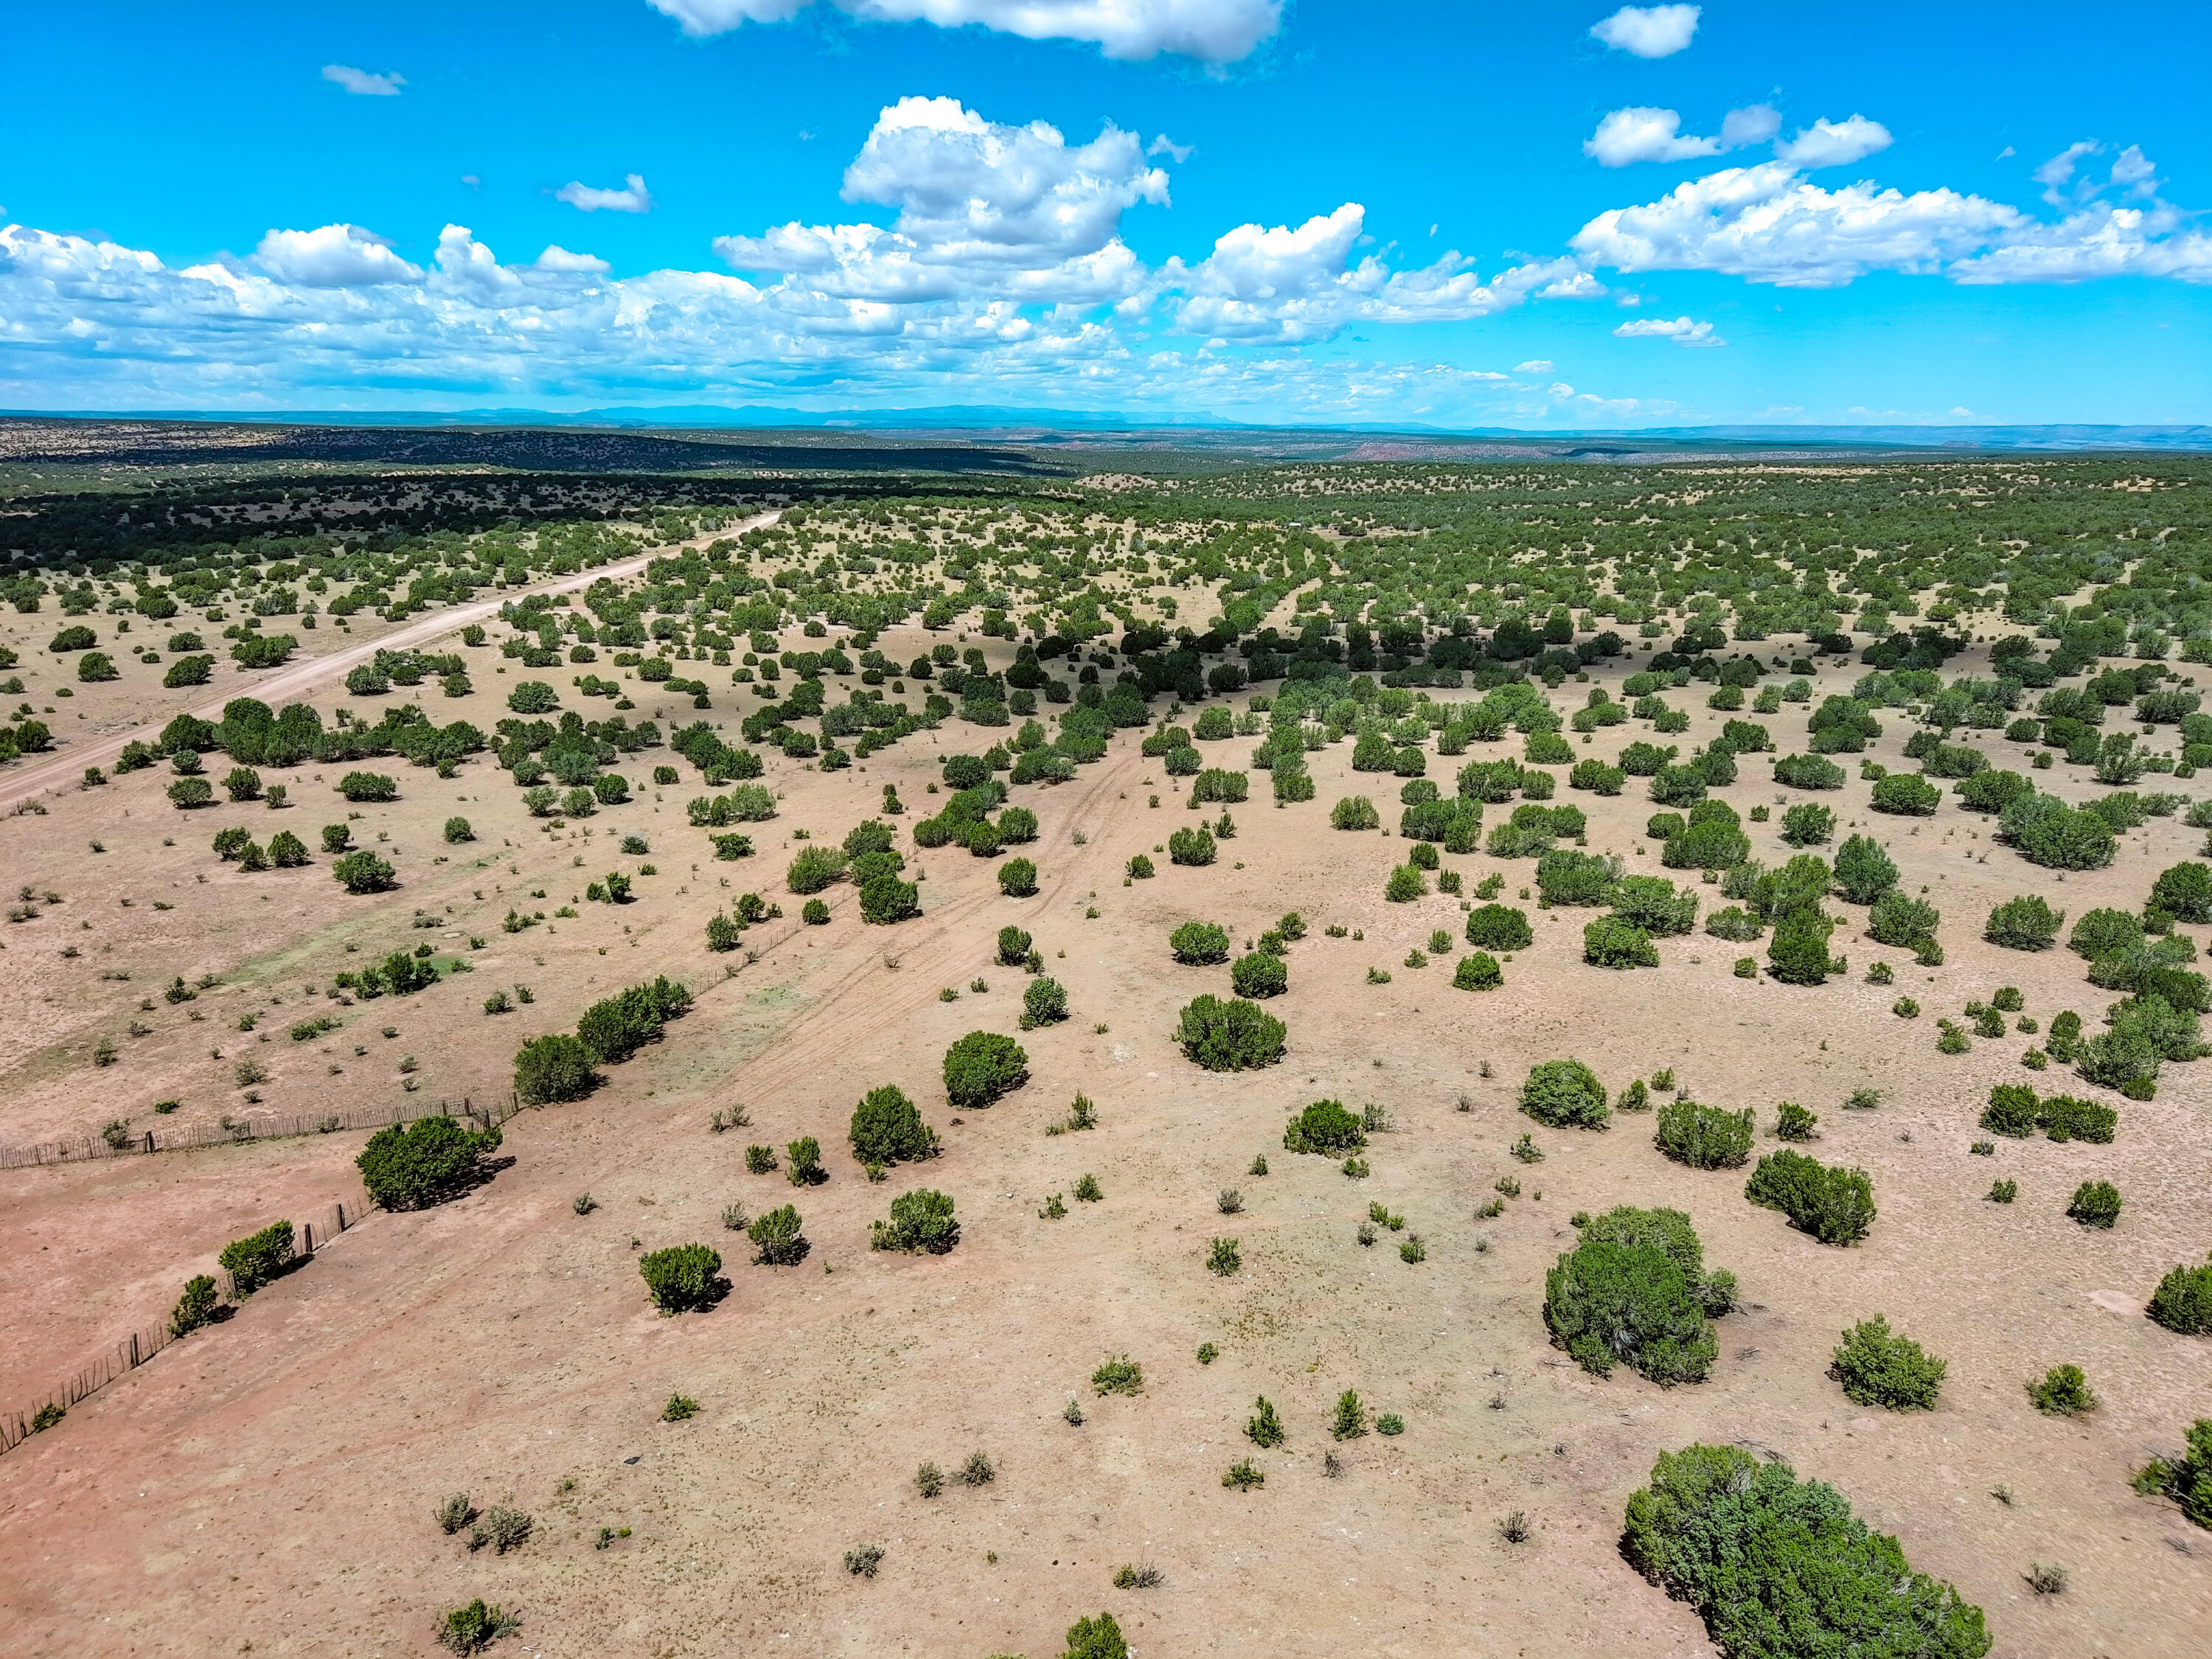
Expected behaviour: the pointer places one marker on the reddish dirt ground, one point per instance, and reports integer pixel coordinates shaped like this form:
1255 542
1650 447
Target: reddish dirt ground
267 1485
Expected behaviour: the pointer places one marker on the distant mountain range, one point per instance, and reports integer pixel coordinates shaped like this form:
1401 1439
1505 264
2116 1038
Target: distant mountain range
1047 425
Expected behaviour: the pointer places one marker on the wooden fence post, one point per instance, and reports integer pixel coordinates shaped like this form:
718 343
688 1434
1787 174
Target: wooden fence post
134 1350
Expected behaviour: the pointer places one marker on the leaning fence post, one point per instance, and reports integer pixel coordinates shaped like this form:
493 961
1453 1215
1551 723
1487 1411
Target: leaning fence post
134 1350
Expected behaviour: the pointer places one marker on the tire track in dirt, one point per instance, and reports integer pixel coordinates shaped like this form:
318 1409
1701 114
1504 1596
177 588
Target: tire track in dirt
809 1045
295 680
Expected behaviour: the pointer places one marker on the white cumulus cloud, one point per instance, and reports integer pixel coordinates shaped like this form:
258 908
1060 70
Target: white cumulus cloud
1681 329
362 83
1648 31
1640 134
1828 144
333 256
1770 223
1533 366
1213 32
632 198
556 258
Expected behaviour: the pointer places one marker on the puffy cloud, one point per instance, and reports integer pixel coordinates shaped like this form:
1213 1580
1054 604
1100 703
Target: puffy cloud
1213 32
1533 366
1828 144
1280 284
362 83
632 198
982 207
1638 134
1768 223
334 255
2099 240
1681 329
556 258
1648 31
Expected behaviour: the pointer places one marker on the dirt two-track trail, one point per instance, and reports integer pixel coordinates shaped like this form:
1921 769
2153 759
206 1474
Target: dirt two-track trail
296 680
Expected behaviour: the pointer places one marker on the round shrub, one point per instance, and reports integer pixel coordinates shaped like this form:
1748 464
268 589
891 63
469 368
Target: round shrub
1606 1301
886 899
1703 1137
1355 812
1325 1128
533 697
1478 972
1233 1035
2183 1301
984 840
1565 1093
1879 1369
2105 932
815 868
2049 833
1260 975
1406 885
984 1066
287 850
1140 867
2184 892
2025 923
1192 846
553 1068
1566 877
369 786
1833 1203
887 1128
1902 921
1808 772
1199 943
188 792
362 872
1907 795
919 1220
1864 871
1678 785
2095 1204
1655 905
1018 877
683 1279
1498 927
814 912
1808 825
431 1160
1044 1002
1017 823
1014 946
1610 942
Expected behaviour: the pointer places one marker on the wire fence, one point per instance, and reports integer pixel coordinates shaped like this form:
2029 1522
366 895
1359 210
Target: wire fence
117 1142
122 1358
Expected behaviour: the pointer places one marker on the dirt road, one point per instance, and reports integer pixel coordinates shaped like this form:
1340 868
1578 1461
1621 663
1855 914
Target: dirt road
296 680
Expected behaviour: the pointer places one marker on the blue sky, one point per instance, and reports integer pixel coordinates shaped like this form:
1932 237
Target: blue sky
1545 216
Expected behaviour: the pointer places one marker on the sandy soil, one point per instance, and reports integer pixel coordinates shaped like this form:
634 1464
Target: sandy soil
267 1486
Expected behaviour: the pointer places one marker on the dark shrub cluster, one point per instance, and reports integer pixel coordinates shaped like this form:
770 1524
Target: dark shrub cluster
683 1278
1200 943
1703 1137
1634 1291
1877 1368
1498 927
617 1027
887 1128
1565 1094
550 1069
984 1066
1780 1568
427 1162
1326 1127
1833 1203
921 1220
253 1261
2026 923
1231 1035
